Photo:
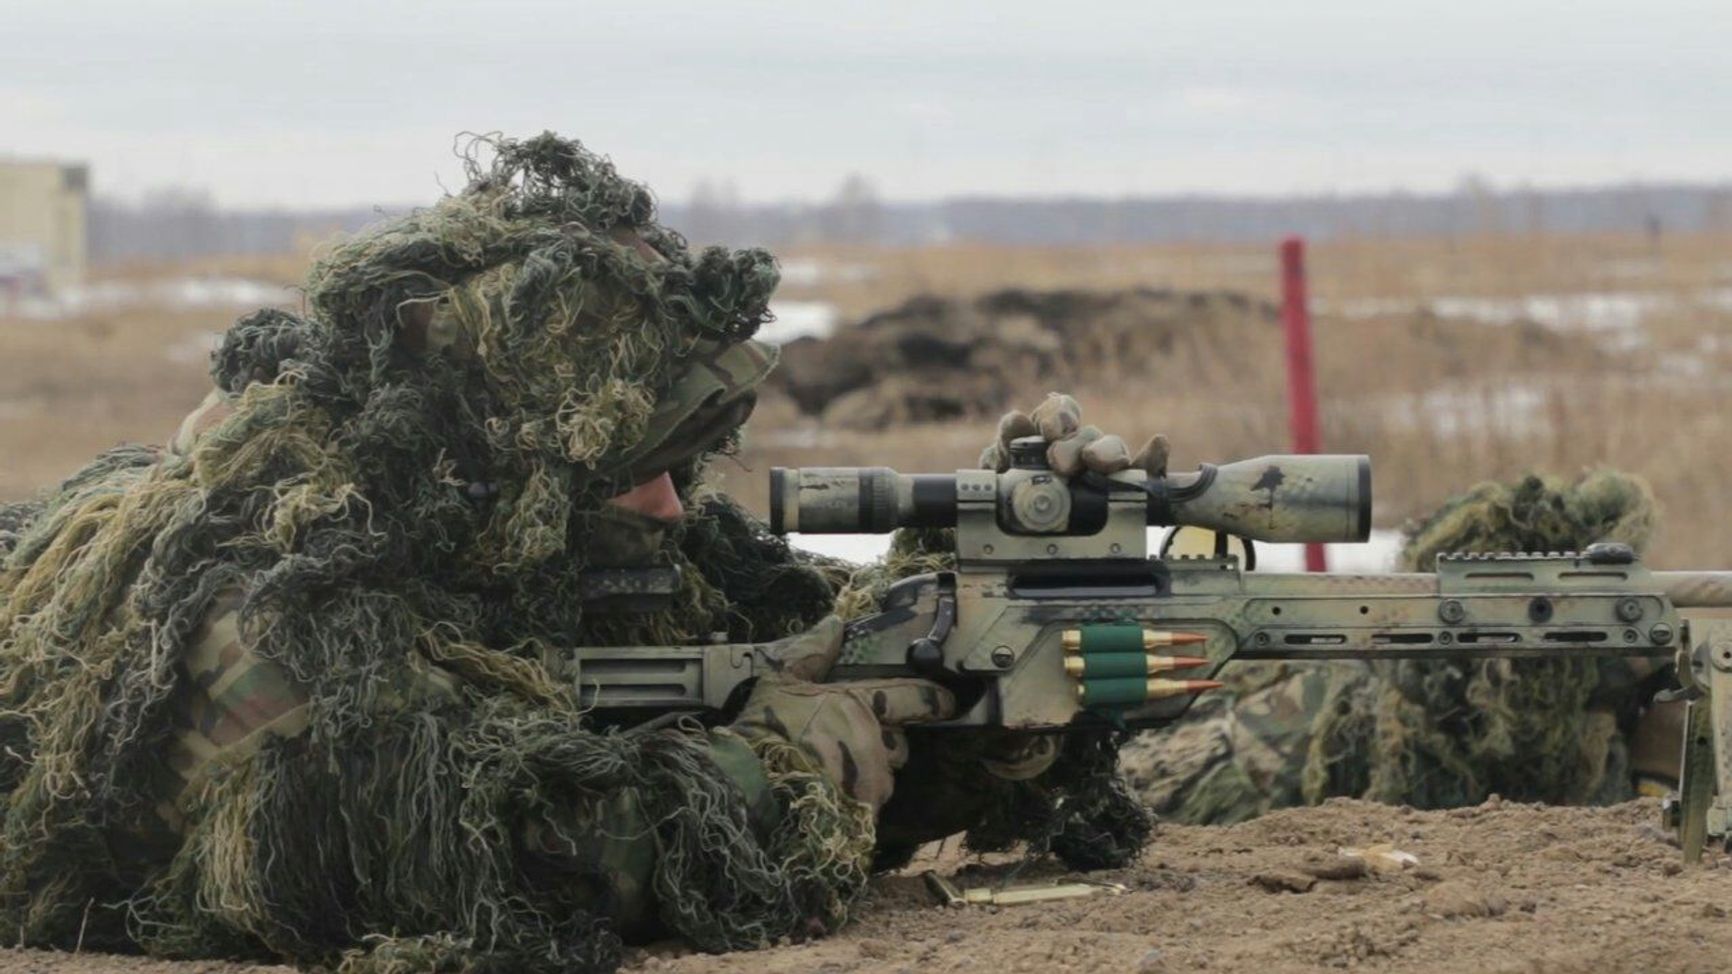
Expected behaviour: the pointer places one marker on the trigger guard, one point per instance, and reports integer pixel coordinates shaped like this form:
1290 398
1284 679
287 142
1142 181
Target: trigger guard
1034 754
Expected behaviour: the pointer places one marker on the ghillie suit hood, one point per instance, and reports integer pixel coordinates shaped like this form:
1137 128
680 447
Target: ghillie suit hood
413 476
1440 734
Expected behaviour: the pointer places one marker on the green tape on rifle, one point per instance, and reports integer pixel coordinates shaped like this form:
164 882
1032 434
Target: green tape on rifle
1117 637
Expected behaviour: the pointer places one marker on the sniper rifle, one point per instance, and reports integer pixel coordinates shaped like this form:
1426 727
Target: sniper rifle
1057 615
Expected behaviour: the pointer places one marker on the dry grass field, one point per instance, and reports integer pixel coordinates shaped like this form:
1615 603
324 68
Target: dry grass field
1447 360
864 279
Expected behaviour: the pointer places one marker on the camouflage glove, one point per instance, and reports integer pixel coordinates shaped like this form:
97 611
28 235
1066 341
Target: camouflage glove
852 730
1072 447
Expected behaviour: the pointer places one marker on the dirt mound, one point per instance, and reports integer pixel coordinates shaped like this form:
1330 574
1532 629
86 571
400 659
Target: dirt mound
934 359
1500 887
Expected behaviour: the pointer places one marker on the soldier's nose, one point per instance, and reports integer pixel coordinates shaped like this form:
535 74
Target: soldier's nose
653 498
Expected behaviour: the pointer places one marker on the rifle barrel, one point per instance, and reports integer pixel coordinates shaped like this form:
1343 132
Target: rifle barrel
1697 590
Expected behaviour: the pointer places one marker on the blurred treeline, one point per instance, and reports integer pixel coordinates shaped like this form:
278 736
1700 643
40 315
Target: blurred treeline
179 224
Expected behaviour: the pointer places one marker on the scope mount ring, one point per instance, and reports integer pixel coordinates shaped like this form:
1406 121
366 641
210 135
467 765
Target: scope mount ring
1221 540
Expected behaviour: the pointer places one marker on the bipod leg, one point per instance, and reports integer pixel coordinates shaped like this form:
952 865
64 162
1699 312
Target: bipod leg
1696 784
1705 785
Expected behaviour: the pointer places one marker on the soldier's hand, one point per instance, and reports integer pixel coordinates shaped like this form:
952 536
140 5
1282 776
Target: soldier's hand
852 729
1071 446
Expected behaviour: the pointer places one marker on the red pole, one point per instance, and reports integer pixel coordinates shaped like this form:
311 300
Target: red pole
1301 377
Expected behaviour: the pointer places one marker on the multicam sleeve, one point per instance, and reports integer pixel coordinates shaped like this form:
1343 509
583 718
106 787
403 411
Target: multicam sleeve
232 701
1267 743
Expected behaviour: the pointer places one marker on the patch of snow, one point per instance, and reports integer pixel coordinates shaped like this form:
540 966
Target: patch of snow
811 272
857 548
798 319
176 293
194 348
1617 315
795 437
1376 556
802 272
1509 407
1589 311
1683 365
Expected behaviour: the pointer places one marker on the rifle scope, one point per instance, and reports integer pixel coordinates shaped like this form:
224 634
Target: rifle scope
1318 497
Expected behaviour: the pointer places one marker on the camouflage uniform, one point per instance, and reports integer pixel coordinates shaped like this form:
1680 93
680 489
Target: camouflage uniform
1241 751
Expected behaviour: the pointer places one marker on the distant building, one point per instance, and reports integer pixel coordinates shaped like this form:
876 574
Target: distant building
43 212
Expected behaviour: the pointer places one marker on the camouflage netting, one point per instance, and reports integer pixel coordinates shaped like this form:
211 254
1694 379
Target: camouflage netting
1439 734
14 518
1534 514
409 478
913 551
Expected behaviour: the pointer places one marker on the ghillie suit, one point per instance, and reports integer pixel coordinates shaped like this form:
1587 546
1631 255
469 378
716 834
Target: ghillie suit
14 518
284 690
1428 733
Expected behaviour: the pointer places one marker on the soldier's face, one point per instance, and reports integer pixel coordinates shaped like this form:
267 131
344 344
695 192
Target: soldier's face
654 498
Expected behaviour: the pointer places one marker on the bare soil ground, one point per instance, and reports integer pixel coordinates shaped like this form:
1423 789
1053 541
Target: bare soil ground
1498 888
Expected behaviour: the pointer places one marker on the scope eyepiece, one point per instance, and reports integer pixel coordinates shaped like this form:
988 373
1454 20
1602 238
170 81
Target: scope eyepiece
858 500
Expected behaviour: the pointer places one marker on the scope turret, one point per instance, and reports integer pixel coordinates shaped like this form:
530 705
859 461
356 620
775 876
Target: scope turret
1305 498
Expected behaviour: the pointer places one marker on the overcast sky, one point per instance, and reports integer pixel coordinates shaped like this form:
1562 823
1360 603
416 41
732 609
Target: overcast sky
322 102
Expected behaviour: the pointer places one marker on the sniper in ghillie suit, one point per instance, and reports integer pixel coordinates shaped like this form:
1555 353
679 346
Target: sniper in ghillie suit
321 679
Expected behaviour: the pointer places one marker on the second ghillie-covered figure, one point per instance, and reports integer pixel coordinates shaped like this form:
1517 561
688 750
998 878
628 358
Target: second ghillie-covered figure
1436 733
284 689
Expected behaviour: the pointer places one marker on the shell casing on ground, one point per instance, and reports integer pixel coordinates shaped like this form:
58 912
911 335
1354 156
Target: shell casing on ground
1126 664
